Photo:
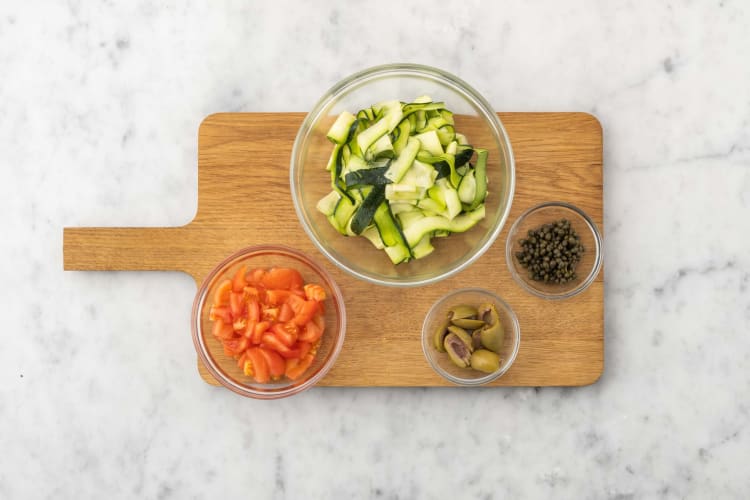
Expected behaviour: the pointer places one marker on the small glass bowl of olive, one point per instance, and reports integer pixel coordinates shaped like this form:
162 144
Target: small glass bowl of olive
471 336
553 250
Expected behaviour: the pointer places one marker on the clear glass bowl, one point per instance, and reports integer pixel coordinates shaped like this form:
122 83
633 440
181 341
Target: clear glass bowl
310 181
223 367
587 268
440 361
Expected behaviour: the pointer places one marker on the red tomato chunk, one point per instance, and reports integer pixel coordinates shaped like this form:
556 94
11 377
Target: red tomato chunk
270 321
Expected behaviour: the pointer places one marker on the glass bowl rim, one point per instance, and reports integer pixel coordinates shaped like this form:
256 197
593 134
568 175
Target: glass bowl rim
461 87
590 224
490 376
202 294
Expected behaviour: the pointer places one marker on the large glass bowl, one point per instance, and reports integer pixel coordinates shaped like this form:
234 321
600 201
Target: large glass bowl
310 181
224 367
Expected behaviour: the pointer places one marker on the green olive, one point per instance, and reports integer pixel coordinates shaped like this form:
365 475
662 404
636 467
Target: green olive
492 334
492 337
485 361
439 335
476 339
469 323
463 335
457 350
462 311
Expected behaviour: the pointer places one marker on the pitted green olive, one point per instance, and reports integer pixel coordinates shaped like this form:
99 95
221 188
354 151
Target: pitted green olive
485 361
476 339
468 323
492 334
492 337
488 313
457 350
463 335
462 311
439 336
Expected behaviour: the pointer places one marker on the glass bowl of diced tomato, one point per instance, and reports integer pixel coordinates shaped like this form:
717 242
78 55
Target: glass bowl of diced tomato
268 322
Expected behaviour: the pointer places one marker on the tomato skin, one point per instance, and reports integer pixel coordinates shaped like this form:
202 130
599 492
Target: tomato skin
286 333
253 310
276 364
238 282
285 312
255 276
220 312
256 364
304 348
311 332
307 311
222 330
270 341
276 297
296 369
236 304
260 328
221 295
282 278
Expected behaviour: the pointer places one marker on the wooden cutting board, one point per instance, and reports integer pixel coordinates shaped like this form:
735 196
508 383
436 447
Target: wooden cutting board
244 199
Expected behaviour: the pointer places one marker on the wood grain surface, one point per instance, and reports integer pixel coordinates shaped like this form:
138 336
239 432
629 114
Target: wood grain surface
558 157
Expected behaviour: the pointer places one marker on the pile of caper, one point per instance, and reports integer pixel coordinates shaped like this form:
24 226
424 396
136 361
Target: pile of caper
551 252
472 337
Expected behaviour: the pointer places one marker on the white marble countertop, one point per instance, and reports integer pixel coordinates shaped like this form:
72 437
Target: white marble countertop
99 109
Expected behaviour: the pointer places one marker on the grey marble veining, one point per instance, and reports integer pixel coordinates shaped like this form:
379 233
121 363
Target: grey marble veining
99 109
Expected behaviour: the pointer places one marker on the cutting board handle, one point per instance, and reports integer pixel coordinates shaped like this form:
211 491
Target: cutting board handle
124 248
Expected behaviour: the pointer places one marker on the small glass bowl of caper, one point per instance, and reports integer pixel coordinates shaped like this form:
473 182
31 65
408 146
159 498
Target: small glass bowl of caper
553 250
471 336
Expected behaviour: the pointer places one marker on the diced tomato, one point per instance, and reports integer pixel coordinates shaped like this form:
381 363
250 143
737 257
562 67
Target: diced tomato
241 360
255 276
270 341
294 372
275 362
276 297
306 312
286 332
282 278
270 313
311 332
253 310
256 364
221 296
220 312
249 329
238 282
223 330
295 302
304 348
270 321
252 293
315 292
320 321
259 330
285 312
239 325
236 304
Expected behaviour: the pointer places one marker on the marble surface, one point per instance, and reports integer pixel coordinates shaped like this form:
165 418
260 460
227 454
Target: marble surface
99 109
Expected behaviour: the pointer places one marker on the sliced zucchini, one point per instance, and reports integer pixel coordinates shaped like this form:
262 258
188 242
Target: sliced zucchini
339 131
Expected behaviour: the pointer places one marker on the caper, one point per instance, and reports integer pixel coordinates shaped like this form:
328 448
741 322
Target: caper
485 361
462 311
439 335
558 239
457 350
